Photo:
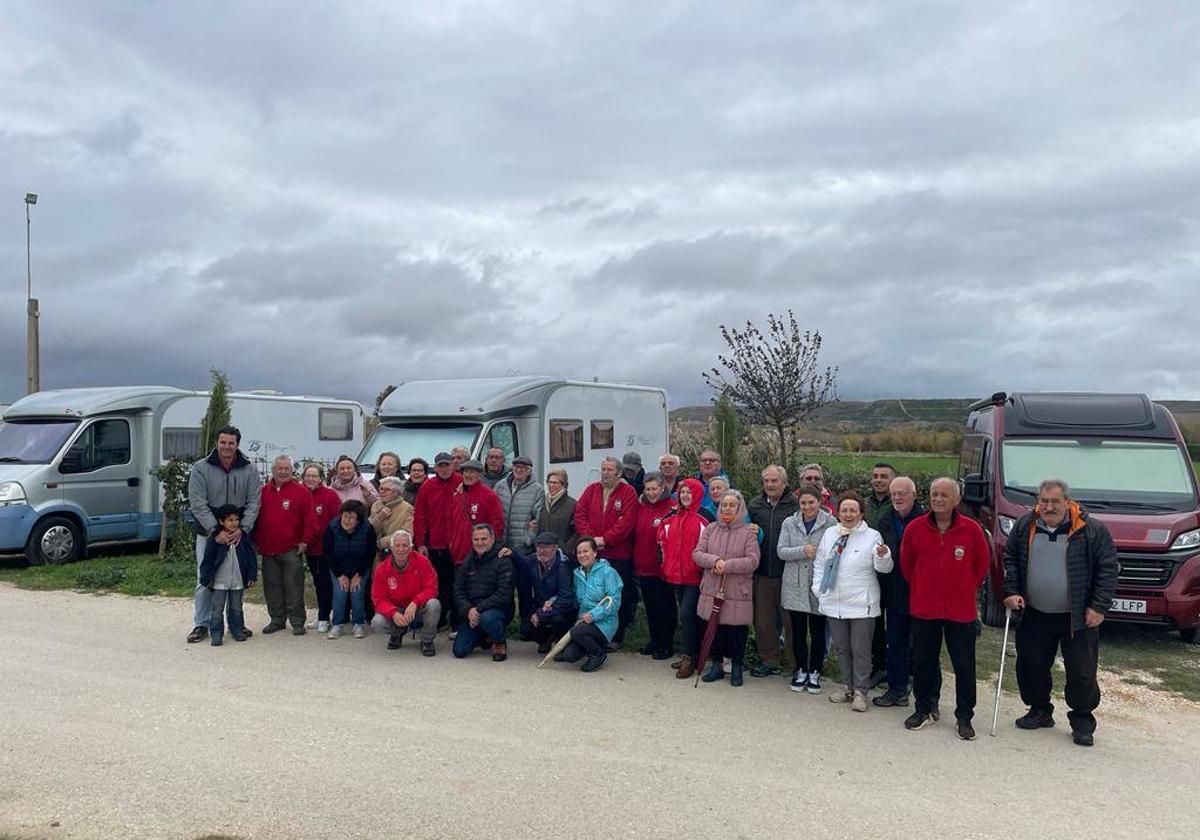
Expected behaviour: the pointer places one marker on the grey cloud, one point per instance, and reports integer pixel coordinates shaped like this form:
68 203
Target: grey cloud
627 218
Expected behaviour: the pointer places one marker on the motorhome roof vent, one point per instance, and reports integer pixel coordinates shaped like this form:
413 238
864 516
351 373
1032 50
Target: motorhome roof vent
1107 411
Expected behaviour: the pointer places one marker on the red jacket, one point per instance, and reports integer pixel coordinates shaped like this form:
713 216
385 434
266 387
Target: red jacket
944 571
647 562
679 535
393 590
326 505
431 512
614 523
285 517
474 505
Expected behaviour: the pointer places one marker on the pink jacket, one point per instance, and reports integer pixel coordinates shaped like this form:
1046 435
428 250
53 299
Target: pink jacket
737 545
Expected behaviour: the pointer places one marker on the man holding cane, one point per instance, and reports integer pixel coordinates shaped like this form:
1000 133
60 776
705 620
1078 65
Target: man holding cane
1060 567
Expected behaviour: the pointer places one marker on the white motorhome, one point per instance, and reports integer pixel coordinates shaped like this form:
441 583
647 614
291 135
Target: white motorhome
75 464
556 422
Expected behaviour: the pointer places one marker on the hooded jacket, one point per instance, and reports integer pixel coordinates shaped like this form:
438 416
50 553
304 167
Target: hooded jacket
647 555
210 485
737 544
855 590
796 593
591 587
613 522
679 534
520 504
431 513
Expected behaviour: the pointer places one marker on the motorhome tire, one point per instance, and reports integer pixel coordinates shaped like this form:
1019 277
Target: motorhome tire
992 609
54 541
1190 636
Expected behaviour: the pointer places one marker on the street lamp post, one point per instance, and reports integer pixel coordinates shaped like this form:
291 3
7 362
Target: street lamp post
32 363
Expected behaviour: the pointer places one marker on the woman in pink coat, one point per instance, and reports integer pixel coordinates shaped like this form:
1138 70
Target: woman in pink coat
728 553
349 484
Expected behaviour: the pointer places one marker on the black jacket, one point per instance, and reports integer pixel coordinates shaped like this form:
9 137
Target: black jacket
1092 564
350 554
535 588
893 588
214 555
484 582
770 520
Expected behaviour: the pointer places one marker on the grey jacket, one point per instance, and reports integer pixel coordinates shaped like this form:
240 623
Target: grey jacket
209 486
797 594
521 505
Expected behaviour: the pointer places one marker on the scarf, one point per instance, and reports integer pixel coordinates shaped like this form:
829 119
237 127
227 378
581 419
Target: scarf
552 499
829 578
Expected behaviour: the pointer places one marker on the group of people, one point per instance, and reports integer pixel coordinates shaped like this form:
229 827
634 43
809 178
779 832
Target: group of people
468 546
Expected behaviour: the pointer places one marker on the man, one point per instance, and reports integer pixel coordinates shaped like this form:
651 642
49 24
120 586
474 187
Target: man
545 591
632 472
483 594
710 468
768 510
225 477
894 518
668 465
814 475
494 470
431 526
458 456
473 503
286 525
404 590
876 502
1060 567
944 558
522 499
607 510
418 471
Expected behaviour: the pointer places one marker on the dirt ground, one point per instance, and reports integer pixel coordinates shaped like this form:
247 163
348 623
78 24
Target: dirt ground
112 727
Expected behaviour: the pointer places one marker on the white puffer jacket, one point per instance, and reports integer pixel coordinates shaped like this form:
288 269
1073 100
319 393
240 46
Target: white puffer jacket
855 592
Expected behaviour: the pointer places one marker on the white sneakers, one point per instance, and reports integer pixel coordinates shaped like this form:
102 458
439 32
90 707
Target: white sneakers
360 631
322 626
311 624
860 701
336 632
814 682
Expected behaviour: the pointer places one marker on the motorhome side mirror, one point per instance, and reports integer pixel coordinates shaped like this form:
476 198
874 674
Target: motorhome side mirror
72 460
976 490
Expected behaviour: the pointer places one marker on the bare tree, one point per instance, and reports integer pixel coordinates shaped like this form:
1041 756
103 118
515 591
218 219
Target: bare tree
774 378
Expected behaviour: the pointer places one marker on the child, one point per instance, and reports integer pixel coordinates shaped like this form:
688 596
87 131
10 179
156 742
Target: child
227 570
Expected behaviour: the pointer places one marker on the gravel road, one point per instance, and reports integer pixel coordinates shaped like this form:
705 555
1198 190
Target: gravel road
112 727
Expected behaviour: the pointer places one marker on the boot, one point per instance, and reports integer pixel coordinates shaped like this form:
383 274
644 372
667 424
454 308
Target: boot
735 674
686 668
715 672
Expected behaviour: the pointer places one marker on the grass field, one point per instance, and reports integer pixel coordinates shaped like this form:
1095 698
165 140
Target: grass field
904 462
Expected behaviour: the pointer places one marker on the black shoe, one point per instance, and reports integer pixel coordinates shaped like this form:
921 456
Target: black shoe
240 637
918 720
395 641
199 633
1083 739
715 672
663 654
427 648
891 698
735 674
298 630
936 714
764 670
272 628
646 650
216 640
594 663
544 647
965 730
612 647
499 652
1035 719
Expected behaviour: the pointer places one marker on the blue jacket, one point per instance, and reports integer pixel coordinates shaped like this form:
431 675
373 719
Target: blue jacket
349 554
535 588
708 503
214 555
591 587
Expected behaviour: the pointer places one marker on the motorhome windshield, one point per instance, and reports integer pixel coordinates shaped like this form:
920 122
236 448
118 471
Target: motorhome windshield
1102 473
33 441
418 441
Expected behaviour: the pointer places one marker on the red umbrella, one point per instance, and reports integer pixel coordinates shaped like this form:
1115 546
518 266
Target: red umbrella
710 632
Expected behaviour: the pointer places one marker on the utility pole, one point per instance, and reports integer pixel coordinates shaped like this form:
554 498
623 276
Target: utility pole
32 362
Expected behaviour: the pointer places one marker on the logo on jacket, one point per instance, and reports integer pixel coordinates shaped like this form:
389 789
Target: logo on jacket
617 505
287 504
959 552
320 508
474 510
391 583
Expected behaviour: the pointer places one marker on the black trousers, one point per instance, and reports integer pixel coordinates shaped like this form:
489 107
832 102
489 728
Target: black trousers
808 656
1039 638
318 567
629 596
730 641
586 640
546 631
927 636
443 565
660 611
879 645
691 628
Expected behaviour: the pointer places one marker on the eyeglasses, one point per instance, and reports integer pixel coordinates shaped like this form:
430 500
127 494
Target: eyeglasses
709 460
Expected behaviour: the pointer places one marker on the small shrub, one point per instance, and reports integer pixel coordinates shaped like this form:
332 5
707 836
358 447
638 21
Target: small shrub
103 577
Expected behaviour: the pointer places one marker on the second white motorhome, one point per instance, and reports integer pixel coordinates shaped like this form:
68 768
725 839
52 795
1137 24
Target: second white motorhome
556 422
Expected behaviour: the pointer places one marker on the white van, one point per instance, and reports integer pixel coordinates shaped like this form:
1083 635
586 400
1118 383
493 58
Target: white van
75 464
556 422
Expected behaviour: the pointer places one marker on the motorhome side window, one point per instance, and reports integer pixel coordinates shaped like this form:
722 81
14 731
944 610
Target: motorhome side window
566 441
503 436
335 424
104 443
181 443
602 434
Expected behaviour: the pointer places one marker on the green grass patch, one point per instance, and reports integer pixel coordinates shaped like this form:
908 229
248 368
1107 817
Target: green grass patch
904 462
129 574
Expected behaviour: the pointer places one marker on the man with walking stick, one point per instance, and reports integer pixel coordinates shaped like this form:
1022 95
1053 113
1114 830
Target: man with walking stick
1060 569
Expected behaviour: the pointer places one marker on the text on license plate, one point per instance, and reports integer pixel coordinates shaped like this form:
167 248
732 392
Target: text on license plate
1128 605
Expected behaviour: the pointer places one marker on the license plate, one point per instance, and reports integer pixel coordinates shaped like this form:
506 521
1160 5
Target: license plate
1128 605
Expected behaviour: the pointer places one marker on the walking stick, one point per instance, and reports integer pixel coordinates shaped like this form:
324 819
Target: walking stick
1000 673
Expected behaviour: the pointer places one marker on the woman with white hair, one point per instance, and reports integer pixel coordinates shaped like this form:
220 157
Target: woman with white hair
391 513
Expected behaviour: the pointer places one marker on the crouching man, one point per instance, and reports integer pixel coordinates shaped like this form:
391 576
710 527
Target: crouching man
404 592
545 591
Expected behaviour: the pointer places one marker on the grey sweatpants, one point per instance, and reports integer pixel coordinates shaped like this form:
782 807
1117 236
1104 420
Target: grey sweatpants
852 640
428 615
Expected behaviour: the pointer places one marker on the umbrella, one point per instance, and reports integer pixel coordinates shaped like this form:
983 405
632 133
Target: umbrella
562 643
710 632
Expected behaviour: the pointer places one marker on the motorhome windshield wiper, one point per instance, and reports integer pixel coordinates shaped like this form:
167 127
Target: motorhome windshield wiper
9 459
1031 493
1099 503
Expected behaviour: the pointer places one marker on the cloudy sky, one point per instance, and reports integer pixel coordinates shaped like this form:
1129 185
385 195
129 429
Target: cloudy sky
325 198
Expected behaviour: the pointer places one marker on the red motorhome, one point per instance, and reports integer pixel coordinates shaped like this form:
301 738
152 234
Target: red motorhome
1125 462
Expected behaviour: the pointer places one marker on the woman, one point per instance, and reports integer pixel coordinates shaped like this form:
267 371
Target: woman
845 582
325 505
386 465
558 514
798 540
351 547
391 513
418 471
349 484
653 506
728 553
595 581
679 535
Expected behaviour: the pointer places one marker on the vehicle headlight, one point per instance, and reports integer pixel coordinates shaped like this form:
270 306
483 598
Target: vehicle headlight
1188 539
11 493
1006 524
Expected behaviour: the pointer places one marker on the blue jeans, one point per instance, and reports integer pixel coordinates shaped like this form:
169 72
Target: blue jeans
899 642
226 601
491 623
203 595
357 610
